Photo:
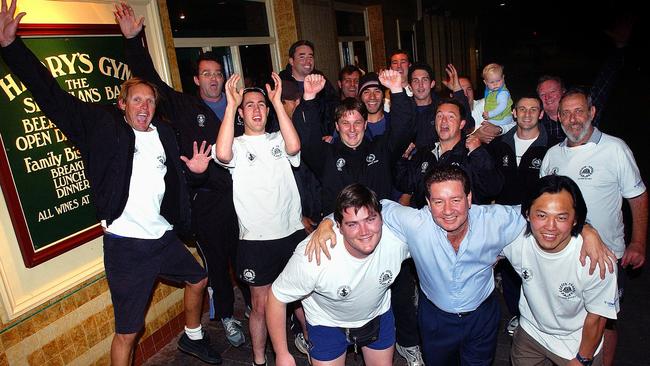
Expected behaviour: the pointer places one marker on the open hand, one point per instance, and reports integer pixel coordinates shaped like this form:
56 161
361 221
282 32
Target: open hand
200 158
233 94
130 25
9 22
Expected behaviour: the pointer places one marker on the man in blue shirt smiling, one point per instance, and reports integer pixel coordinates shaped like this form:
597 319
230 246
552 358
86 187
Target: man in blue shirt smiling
458 311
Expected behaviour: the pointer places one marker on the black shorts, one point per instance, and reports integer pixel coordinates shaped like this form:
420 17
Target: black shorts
132 267
259 262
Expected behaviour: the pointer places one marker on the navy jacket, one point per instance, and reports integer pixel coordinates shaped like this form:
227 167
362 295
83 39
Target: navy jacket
518 178
105 140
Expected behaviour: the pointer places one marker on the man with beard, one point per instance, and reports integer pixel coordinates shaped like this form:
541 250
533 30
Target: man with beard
605 170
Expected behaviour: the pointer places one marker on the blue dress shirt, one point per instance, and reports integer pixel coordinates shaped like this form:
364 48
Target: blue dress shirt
455 282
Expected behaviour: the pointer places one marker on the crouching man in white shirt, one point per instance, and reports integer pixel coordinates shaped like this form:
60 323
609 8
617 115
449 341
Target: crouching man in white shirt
347 299
563 308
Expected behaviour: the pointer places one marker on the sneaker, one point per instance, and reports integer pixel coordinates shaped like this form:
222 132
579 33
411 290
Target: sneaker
234 332
512 325
201 349
412 355
266 362
301 343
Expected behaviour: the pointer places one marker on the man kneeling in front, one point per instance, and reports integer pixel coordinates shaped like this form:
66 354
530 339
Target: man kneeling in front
347 299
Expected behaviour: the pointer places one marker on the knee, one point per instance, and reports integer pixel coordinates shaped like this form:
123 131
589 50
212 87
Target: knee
125 339
199 286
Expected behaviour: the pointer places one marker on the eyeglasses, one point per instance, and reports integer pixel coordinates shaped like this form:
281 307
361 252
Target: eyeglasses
208 74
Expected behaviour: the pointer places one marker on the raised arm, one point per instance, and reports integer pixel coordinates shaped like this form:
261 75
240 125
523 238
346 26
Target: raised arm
136 54
226 133
402 123
289 134
308 123
71 115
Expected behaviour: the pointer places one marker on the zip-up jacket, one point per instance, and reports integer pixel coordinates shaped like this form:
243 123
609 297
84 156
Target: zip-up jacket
187 113
105 140
485 180
518 178
371 163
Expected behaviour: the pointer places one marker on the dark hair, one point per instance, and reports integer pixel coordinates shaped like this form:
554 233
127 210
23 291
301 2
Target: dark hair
253 89
358 196
302 42
529 95
207 56
398 52
556 184
461 107
445 174
420 66
544 78
347 70
578 91
348 105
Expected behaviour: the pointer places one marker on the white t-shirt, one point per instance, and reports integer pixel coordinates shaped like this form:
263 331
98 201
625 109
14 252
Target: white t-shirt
141 216
344 291
605 170
264 190
557 292
521 146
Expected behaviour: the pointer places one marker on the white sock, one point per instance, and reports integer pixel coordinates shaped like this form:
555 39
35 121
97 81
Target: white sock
194 334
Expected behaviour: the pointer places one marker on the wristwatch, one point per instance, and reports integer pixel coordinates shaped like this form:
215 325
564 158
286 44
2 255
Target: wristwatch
583 360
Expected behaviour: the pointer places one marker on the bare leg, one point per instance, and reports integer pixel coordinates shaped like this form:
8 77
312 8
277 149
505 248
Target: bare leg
192 300
383 357
339 361
609 346
122 349
299 312
257 322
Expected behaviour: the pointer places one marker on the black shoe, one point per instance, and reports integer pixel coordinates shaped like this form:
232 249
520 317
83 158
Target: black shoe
201 349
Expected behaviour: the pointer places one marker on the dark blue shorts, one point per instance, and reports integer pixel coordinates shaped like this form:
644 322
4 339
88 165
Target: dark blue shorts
328 343
132 267
260 262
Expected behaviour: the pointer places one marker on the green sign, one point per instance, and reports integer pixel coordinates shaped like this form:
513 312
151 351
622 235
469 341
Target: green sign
48 190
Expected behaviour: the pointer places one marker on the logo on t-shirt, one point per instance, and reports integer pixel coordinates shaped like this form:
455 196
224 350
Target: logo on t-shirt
371 159
250 156
161 161
248 275
276 152
424 166
344 291
586 172
567 290
340 163
200 118
554 171
536 163
505 160
526 274
386 278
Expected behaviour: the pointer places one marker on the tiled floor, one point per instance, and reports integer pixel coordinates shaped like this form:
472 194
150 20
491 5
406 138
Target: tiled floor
634 337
